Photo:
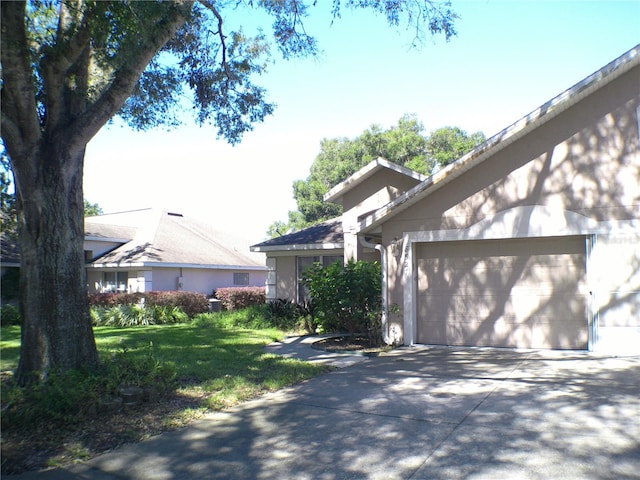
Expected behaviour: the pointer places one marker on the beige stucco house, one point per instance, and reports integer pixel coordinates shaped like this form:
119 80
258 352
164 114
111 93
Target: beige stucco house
532 240
152 249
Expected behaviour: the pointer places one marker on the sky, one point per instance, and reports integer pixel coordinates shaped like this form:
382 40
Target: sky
509 57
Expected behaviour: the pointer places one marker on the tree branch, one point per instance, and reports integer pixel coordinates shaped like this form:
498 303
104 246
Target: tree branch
223 63
83 128
20 123
57 61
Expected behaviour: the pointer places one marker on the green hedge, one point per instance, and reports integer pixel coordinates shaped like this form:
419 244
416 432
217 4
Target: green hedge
191 303
235 298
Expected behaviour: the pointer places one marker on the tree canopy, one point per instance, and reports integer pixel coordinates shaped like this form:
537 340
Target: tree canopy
69 66
404 144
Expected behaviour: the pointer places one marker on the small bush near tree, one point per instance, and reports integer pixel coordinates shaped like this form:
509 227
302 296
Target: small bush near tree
70 397
9 315
236 298
346 298
10 285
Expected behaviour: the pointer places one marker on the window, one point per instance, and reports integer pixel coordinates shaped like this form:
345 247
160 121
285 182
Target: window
241 279
305 262
114 281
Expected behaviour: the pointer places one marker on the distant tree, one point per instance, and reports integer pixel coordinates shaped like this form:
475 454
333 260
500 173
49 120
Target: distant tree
404 144
69 66
447 144
8 213
91 209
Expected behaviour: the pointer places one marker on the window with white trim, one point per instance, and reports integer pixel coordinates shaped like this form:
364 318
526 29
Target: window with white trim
305 262
241 279
115 281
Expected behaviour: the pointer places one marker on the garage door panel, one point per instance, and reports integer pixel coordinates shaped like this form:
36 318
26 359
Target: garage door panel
535 273
522 304
518 296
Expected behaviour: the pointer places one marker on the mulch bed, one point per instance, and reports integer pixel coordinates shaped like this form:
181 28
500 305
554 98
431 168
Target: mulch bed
350 343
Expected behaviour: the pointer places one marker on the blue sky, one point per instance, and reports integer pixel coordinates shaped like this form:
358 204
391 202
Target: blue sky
509 58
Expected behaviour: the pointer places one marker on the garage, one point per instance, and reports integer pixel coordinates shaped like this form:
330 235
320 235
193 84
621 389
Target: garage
614 271
526 293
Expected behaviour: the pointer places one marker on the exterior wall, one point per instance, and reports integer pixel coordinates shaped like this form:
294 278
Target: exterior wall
94 280
286 277
99 248
378 190
282 281
383 184
586 161
203 280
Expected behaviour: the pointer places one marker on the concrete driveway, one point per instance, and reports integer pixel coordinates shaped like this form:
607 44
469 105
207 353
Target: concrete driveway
417 413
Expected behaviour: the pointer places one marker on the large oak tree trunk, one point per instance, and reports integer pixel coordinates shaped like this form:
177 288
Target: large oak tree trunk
56 329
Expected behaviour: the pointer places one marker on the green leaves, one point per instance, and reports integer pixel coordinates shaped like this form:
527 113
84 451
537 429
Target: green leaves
445 145
404 144
346 298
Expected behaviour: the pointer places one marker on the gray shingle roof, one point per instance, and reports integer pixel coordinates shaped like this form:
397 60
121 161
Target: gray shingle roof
162 237
325 233
9 251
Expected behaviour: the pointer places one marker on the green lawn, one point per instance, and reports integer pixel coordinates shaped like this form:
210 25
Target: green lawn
216 367
227 365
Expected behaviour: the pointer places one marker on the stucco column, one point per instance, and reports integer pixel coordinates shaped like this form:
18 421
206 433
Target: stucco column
352 247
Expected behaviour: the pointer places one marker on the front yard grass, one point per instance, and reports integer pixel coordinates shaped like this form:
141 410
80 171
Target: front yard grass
215 367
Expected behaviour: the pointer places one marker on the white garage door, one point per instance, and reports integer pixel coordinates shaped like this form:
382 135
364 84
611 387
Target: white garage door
526 293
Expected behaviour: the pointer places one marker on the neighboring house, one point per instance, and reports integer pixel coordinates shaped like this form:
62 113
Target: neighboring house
531 240
145 250
153 250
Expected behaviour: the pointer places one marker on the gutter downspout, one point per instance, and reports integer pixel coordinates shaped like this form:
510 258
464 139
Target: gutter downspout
385 300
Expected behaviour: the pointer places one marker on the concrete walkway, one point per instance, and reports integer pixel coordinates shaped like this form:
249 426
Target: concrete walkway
415 413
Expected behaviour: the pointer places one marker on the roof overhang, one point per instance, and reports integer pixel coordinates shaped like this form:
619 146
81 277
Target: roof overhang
95 238
365 172
173 265
298 247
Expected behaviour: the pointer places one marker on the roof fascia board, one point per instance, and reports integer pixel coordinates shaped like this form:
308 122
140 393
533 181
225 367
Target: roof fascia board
94 238
367 171
174 265
506 137
298 247
10 264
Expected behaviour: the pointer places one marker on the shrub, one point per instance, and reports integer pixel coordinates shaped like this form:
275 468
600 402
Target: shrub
137 315
191 303
346 298
282 315
289 315
235 298
254 317
9 315
10 285
67 397
112 299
